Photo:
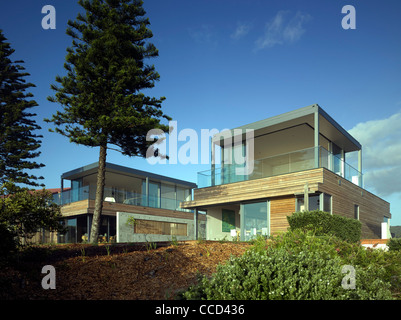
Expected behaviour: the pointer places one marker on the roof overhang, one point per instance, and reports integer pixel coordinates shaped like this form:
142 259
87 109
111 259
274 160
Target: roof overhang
110 167
328 127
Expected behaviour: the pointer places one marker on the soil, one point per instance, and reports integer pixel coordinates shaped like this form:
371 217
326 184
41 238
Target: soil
119 271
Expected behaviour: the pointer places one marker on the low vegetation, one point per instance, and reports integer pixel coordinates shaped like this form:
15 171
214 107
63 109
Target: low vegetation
311 261
323 223
301 265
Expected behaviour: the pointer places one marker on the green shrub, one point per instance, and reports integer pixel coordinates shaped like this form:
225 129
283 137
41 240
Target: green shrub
323 223
296 241
294 265
394 244
8 242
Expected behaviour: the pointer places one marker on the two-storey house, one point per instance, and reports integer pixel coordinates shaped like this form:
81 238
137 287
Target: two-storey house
151 200
296 161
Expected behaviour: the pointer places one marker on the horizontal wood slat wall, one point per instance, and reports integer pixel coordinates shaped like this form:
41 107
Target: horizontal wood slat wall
74 208
345 195
160 227
280 208
111 208
256 189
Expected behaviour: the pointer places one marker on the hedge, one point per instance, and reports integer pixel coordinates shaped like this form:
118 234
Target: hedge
324 223
394 244
277 274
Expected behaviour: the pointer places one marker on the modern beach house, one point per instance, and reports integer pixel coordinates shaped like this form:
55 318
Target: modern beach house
151 200
271 168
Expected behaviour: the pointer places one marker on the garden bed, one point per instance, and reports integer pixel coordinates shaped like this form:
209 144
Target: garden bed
121 271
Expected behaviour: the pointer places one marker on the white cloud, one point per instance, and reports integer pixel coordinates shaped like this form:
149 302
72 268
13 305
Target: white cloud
282 29
381 153
241 30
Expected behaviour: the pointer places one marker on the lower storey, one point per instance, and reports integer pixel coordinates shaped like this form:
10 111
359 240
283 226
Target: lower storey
127 227
246 220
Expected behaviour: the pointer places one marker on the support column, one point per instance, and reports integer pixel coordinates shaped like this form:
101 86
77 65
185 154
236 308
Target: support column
213 160
316 138
360 182
306 197
343 163
196 224
88 226
242 222
331 156
60 195
147 191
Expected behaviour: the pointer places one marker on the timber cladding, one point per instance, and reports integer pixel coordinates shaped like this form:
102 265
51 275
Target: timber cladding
282 185
75 208
281 191
345 195
160 227
280 208
111 208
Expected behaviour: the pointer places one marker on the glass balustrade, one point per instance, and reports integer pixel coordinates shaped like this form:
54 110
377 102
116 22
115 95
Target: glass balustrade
280 164
118 196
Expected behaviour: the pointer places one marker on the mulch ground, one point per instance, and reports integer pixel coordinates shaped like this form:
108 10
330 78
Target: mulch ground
85 272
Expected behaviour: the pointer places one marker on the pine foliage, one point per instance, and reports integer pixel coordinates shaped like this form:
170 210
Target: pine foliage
101 94
18 143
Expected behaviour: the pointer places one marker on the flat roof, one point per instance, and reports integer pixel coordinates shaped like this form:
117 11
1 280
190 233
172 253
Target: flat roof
110 167
328 127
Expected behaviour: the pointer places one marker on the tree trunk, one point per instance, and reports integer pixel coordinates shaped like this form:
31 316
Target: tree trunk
101 173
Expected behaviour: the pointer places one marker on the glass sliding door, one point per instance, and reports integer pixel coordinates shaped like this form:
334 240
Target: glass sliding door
154 195
76 186
254 220
338 160
233 163
71 235
168 197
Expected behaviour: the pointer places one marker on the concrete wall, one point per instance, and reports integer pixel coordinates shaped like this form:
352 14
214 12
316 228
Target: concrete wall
214 223
125 233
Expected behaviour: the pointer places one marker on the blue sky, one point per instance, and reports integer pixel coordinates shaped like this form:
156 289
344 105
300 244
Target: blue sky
225 63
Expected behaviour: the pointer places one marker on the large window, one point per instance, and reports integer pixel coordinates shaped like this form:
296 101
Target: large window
327 206
233 163
76 190
314 202
183 194
79 227
163 195
107 230
168 197
254 220
337 160
321 201
71 235
227 220
154 195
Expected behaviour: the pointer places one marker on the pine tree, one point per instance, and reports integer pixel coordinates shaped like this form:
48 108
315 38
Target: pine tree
18 144
22 211
102 98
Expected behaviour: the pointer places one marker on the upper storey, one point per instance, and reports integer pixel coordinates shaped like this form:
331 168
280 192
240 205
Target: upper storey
302 139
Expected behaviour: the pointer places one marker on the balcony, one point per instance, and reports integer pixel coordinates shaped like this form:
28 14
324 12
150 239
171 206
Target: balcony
300 160
118 196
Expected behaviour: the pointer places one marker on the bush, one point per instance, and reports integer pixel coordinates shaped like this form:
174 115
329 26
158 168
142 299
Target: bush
309 270
389 262
323 223
7 243
394 244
